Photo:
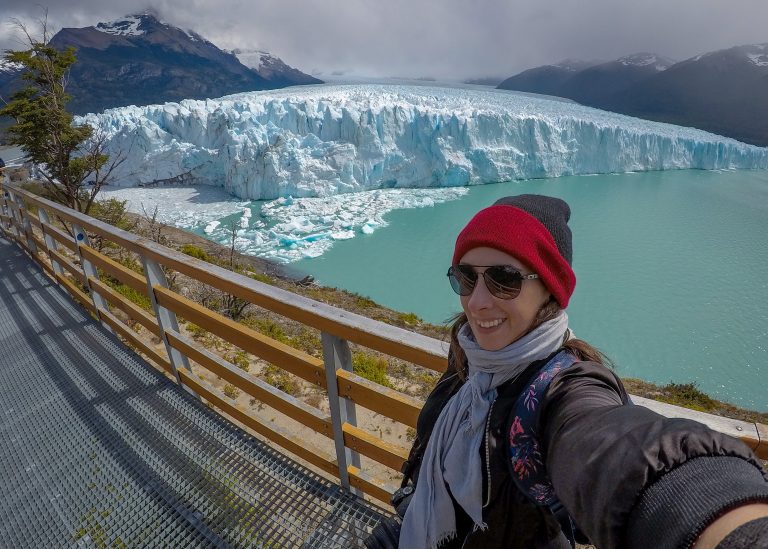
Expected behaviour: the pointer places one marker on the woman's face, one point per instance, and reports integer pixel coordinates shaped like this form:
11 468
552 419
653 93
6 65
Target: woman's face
498 322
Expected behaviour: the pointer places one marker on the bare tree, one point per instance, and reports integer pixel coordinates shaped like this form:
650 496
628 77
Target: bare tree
232 306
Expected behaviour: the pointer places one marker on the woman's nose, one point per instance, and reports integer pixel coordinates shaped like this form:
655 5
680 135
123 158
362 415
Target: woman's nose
480 298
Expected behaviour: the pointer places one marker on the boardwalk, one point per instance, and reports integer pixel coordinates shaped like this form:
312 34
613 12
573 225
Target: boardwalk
98 449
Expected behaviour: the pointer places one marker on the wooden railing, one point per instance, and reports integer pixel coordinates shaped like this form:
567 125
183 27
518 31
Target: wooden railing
80 268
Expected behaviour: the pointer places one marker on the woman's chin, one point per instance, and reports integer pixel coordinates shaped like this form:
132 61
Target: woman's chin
493 342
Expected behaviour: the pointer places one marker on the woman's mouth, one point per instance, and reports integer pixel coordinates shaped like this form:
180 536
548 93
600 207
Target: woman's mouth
486 326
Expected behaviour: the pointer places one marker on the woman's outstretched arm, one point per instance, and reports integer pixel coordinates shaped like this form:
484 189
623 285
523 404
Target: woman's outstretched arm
633 478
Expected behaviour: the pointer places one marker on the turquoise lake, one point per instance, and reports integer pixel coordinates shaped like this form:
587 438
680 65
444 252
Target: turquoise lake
672 271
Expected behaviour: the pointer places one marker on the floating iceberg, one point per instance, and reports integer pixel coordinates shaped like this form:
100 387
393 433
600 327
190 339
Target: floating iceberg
320 141
283 230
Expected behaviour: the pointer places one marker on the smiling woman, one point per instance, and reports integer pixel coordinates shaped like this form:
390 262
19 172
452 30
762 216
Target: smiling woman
529 440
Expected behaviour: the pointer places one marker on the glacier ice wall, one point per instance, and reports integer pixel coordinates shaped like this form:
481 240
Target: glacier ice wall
326 140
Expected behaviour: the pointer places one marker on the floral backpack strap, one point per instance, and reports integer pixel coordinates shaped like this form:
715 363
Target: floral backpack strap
528 470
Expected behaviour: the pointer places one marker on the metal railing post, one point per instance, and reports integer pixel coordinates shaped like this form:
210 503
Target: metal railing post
13 206
50 242
6 208
166 318
81 238
336 355
27 224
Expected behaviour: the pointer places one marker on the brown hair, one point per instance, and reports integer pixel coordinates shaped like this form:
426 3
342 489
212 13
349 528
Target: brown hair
583 350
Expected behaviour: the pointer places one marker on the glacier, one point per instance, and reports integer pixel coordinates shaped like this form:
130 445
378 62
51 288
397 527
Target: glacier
320 141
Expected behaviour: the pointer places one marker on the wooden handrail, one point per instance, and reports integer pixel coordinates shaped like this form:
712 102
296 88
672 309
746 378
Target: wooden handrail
69 266
251 385
297 362
59 236
127 306
135 340
346 326
387 402
128 277
293 444
391 340
367 444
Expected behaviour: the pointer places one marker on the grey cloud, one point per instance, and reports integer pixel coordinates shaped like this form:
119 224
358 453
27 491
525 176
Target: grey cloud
444 39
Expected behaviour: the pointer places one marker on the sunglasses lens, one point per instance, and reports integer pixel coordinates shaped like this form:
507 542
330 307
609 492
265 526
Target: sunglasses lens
503 281
462 278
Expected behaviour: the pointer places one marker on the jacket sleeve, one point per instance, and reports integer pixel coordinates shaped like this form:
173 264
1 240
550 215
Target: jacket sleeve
632 478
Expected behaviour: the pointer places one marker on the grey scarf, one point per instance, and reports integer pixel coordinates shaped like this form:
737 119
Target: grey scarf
452 457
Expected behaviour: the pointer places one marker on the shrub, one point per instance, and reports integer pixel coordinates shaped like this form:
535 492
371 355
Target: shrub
688 395
281 379
308 341
196 331
126 291
196 252
240 359
231 391
409 318
371 367
268 327
364 302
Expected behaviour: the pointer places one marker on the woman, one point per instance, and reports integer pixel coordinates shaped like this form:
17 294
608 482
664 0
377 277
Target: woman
626 476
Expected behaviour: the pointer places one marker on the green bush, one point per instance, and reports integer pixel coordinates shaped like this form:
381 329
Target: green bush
129 293
196 331
364 302
268 327
409 318
196 252
240 359
688 395
370 367
231 391
281 379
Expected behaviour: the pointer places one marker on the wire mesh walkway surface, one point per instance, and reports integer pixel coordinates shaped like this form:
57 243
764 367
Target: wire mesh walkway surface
98 449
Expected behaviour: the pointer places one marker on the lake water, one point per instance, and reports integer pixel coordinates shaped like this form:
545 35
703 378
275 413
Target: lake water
672 271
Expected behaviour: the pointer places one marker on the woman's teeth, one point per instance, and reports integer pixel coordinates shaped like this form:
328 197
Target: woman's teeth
489 323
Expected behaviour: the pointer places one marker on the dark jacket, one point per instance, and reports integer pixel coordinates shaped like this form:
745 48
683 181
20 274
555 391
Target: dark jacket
628 476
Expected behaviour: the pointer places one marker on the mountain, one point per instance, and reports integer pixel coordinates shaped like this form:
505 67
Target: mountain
724 92
273 68
141 60
548 79
594 85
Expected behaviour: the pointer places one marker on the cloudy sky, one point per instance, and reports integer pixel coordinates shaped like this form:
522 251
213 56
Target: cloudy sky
447 39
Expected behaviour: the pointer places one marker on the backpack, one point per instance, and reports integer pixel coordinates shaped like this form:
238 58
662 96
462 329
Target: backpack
527 468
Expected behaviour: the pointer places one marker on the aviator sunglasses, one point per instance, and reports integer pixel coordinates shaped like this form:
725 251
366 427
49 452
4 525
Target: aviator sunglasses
502 281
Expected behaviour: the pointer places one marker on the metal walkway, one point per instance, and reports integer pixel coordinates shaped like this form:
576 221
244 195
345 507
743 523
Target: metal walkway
98 449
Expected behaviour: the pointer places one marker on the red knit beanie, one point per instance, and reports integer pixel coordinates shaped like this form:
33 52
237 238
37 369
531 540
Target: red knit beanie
523 226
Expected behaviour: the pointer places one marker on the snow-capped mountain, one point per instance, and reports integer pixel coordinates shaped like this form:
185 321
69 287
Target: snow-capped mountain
141 60
7 67
273 68
594 85
724 91
757 53
657 62
547 79
328 140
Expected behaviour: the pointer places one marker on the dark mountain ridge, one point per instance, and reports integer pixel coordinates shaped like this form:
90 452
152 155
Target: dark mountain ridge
141 60
724 92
